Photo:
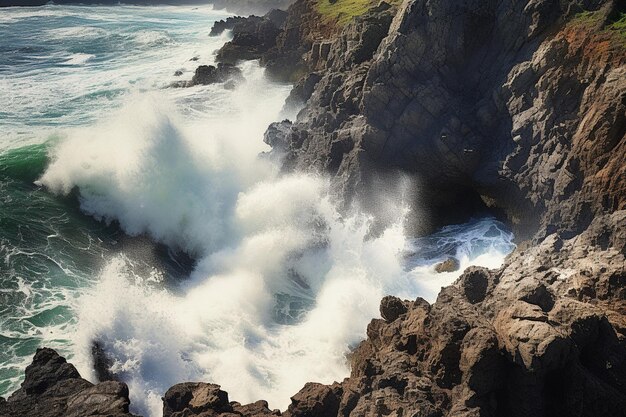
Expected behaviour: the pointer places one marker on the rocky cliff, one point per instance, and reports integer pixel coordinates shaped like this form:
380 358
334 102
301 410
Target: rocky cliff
517 106
508 102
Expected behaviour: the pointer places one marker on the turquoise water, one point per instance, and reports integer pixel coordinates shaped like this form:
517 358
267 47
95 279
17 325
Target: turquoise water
143 218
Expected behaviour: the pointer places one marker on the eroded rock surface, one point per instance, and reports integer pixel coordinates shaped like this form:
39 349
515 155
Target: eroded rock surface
53 388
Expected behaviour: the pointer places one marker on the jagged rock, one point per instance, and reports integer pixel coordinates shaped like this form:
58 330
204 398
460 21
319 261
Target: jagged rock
208 400
252 37
192 398
222 25
518 104
53 388
302 91
391 308
277 16
210 74
479 102
315 400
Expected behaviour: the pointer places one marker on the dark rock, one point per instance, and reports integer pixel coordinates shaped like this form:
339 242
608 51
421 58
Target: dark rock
102 363
277 17
302 90
222 25
475 282
178 73
53 388
391 308
252 37
193 398
209 74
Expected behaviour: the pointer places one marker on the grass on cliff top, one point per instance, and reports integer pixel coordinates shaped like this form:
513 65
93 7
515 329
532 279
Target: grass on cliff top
342 11
617 25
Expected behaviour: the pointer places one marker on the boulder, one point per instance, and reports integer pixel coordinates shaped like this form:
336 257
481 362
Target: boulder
53 388
391 308
449 265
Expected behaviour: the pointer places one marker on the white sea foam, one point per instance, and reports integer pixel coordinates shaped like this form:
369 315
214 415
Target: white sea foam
79 59
152 38
81 32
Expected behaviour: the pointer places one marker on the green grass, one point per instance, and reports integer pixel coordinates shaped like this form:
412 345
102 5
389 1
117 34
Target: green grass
342 11
588 16
619 25
615 26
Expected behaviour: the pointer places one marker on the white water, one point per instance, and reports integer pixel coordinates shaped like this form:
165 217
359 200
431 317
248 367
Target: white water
182 167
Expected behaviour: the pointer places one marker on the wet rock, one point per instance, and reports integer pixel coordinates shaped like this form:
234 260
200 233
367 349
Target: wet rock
53 388
193 398
474 283
209 74
222 25
102 363
252 37
449 265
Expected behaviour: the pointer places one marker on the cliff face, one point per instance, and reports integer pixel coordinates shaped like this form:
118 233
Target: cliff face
488 99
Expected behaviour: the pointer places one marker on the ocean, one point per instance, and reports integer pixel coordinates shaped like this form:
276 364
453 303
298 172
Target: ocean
151 220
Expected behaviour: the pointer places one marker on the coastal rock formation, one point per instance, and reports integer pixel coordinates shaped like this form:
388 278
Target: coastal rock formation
471 101
229 23
210 74
208 400
252 36
53 388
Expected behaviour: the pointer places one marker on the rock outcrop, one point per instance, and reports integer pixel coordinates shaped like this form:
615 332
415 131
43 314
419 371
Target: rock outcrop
210 74
53 388
200 399
492 101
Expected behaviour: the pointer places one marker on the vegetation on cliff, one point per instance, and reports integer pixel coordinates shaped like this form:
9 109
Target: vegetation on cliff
342 11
